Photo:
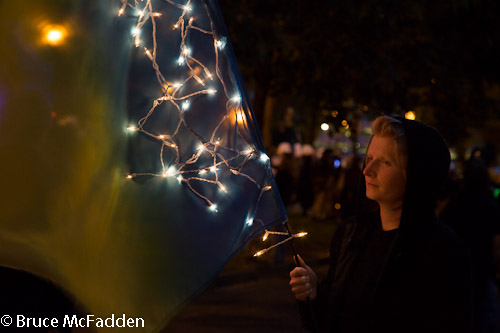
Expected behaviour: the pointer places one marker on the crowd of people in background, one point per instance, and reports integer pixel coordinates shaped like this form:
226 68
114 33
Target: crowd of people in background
323 184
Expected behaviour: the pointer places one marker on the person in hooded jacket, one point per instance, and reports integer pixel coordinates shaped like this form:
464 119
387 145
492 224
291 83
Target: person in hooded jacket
394 267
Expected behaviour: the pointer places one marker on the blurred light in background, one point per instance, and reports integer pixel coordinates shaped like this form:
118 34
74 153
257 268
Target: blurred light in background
54 35
410 115
325 127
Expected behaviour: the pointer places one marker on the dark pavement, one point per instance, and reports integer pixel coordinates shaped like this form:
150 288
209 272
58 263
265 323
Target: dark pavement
252 294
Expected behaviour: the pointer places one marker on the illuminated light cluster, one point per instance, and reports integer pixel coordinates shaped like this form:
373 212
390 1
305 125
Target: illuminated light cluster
212 156
288 238
214 149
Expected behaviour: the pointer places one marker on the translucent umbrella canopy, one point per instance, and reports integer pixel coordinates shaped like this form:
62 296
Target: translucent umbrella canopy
132 167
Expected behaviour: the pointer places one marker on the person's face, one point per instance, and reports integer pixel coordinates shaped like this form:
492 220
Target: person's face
385 181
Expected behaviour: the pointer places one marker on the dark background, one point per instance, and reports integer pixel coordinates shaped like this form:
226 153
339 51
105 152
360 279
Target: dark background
437 58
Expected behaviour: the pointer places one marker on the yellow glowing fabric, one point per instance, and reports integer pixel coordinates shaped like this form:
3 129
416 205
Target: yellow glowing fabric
121 219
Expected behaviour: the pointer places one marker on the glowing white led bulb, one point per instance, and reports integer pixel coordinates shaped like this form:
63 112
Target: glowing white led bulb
136 31
263 157
171 171
220 44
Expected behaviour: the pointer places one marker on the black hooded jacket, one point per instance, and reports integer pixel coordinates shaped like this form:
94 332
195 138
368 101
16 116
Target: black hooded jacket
424 282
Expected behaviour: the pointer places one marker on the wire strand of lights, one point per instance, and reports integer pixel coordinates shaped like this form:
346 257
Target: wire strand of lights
201 76
297 235
146 13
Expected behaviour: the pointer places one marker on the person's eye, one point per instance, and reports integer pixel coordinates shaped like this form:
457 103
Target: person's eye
387 163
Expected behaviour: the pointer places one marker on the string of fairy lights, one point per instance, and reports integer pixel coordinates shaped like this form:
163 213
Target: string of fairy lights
211 157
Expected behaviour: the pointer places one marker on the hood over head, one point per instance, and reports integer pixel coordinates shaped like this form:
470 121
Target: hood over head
427 171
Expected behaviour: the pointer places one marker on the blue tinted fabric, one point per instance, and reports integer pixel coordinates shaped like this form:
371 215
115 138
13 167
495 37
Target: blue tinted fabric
112 187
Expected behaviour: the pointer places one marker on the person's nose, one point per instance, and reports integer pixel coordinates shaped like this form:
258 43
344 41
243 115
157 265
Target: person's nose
369 169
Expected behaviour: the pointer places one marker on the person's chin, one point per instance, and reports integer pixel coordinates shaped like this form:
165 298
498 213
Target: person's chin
370 195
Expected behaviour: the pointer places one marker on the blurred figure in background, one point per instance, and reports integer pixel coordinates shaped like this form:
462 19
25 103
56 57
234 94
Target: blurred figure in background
305 188
327 185
475 217
352 175
284 163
